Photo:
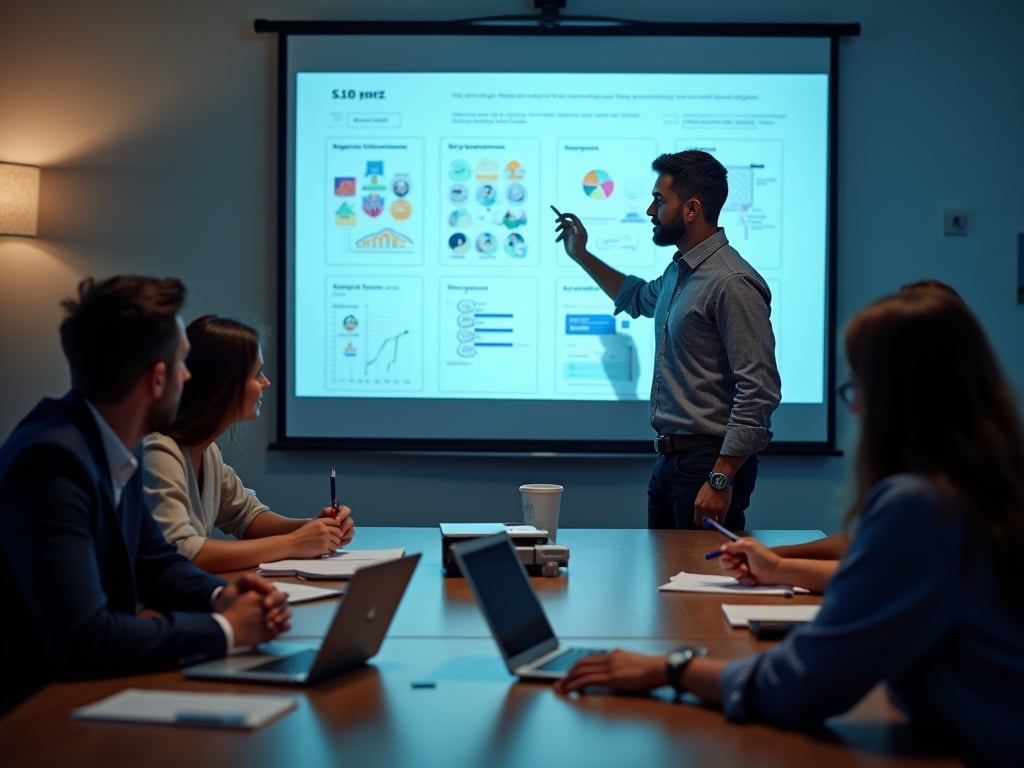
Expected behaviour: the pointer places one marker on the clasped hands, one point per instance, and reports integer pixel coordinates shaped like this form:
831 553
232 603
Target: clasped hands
256 610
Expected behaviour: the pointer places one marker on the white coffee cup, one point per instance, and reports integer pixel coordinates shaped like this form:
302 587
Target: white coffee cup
541 503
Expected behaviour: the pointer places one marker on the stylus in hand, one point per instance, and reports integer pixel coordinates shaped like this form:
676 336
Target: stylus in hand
708 522
561 218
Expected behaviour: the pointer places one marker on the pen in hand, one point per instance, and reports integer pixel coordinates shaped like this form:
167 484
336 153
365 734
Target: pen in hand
334 505
334 493
709 523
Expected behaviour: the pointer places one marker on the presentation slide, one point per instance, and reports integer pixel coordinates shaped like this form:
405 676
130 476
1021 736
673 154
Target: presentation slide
426 295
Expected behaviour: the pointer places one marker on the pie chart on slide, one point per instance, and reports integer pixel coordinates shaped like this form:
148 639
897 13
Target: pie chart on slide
598 185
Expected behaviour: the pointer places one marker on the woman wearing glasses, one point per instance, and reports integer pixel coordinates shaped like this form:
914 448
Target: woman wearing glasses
811 564
927 596
189 488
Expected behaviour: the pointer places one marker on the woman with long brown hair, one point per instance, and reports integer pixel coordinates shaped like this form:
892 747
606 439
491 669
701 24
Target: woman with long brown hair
189 488
926 598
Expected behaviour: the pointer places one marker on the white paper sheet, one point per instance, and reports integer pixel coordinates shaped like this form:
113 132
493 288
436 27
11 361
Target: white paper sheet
302 593
721 584
220 710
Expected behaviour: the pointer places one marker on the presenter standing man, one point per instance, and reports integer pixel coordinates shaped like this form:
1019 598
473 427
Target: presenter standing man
79 552
716 382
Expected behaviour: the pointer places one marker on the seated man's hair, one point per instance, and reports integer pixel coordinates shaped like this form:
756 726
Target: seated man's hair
116 329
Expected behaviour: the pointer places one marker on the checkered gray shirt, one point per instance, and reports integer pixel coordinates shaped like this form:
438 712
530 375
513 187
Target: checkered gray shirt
714 369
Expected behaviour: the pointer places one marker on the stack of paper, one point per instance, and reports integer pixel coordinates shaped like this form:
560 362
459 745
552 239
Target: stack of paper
721 584
341 565
225 710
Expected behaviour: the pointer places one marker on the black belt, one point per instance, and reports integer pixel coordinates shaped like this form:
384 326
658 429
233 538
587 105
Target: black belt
669 444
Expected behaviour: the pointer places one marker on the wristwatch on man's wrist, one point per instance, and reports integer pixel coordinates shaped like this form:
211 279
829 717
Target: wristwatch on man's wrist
719 480
675 663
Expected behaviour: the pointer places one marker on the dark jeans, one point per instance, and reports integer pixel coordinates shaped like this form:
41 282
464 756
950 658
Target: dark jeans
676 480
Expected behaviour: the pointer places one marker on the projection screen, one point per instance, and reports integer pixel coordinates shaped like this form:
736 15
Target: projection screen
423 301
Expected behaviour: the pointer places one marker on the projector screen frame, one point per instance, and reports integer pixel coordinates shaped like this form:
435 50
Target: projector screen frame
561 26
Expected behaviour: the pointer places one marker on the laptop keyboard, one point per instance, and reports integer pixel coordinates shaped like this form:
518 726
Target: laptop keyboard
290 664
564 661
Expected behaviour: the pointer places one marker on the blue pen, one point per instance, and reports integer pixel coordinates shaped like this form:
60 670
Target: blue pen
710 523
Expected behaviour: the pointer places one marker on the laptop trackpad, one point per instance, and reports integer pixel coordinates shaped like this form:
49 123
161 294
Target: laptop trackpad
295 663
248 658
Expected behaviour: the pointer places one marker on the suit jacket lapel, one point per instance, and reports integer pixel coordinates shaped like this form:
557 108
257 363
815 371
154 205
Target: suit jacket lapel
114 525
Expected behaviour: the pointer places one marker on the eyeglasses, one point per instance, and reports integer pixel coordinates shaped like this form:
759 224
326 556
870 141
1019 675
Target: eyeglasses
847 390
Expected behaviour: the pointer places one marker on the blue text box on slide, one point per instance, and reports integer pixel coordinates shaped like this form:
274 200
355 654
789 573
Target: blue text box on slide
591 325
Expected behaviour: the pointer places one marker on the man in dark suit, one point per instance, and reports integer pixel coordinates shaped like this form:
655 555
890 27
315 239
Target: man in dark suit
79 552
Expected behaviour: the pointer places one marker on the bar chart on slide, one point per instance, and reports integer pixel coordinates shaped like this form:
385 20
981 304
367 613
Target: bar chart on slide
488 335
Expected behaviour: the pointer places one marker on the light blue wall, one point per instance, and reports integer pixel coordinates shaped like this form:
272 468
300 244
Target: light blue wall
155 123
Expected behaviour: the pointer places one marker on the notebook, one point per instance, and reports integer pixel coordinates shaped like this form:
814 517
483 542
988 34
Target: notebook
355 635
341 565
514 614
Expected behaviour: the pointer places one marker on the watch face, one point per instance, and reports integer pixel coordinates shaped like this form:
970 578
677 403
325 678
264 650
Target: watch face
718 481
674 664
676 658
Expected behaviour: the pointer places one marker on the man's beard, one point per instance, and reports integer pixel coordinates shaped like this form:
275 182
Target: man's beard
669 234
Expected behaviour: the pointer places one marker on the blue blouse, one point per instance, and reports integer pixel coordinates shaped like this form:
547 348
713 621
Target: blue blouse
910 606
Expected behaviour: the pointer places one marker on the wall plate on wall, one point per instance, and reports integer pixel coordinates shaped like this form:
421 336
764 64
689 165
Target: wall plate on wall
954 222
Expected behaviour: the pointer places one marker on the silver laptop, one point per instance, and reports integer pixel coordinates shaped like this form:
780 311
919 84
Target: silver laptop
516 618
355 635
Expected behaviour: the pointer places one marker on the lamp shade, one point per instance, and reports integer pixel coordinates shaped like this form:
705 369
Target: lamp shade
19 199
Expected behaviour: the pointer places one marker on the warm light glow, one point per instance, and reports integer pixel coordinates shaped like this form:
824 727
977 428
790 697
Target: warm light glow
19 199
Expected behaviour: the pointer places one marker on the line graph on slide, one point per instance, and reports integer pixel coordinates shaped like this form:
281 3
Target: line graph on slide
374 347
388 361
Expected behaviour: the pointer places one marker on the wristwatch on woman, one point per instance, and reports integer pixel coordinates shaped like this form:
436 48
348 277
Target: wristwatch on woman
675 663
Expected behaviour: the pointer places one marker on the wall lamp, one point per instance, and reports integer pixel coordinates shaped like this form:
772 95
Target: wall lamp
19 199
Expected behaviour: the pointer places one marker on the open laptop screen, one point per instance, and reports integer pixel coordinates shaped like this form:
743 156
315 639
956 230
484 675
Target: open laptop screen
506 596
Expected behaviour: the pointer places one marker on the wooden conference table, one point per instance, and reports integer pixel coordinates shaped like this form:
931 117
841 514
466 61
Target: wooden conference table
438 693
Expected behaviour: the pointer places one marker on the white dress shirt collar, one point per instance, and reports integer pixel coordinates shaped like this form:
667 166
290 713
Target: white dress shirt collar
122 462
